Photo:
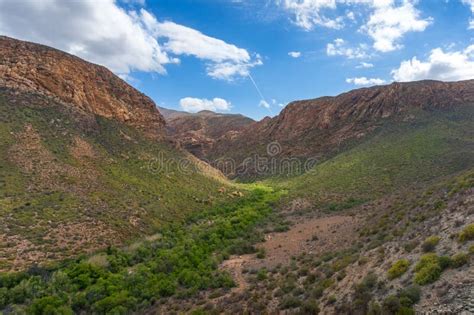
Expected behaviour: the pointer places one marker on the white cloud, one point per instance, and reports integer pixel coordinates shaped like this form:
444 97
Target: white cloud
440 65
363 81
339 48
193 105
364 65
470 3
122 40
308 13
388 23
264 103
294 54
225 61
98 31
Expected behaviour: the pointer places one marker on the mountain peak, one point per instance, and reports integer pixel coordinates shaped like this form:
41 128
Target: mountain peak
92 88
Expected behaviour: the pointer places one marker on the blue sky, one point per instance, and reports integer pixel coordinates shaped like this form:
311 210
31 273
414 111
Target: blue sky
203 54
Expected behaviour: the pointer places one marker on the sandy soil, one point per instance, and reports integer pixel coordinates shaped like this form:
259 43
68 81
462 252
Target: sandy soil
310 235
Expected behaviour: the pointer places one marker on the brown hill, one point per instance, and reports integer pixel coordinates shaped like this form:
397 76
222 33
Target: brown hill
198 132
36 68
322 126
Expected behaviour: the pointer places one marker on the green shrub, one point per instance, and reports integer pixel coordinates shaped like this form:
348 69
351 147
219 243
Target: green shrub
430 243
467 234
391 305
471 250
410 295
261 253
310 308
444 262
290 301
428 269
459 260
398 269
262 274
49 305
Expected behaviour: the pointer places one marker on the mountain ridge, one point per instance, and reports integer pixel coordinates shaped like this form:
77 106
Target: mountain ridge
92 88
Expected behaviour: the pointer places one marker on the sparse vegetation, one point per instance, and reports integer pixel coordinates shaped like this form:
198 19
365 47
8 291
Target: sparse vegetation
430 243
398 269
467 234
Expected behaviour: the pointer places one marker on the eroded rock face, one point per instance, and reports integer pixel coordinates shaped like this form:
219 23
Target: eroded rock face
36 68
197 133
316 127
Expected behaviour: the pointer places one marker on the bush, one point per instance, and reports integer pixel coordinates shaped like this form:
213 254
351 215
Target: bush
428 269
430 243
398 269
262 274
49 305
410 295
391 305
459 260
289 301
467 234
310 308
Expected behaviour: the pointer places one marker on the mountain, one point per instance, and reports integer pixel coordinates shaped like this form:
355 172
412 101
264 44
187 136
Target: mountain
364 201
84 160
322 127
30 67
198 132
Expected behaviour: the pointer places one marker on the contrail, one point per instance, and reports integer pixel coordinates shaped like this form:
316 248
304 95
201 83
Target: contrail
259 92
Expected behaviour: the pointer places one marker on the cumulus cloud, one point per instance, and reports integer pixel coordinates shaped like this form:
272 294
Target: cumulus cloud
122 40
363 81
294 54
440 65
193 105
389 23
98 31
339 47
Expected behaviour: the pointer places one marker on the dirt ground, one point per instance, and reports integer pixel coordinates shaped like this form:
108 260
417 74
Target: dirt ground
309 235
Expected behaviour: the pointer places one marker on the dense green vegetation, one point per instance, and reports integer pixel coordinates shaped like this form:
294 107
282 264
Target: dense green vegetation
179 261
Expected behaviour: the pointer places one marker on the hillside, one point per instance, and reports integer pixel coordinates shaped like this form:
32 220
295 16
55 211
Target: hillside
198 132
323 127
84 161
364 201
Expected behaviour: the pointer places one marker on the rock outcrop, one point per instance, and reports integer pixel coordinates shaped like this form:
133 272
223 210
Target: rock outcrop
317 127
197 133
40 69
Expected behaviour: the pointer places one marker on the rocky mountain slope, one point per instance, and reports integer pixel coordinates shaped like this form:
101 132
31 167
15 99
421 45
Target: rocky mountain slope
367 206
30 67
322 127
198 132
84 160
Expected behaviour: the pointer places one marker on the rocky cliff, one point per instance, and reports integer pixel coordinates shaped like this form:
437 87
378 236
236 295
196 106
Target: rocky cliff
198 132
318 127
94 89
